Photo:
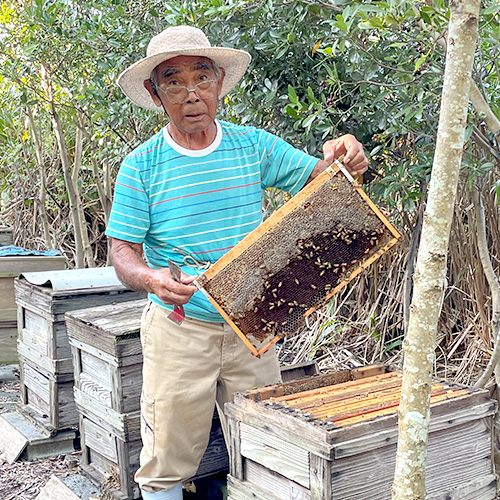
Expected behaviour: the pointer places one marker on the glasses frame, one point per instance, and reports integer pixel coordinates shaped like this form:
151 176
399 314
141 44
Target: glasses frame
195 90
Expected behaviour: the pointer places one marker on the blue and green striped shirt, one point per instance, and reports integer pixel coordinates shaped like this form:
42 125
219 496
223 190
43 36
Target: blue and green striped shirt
201 202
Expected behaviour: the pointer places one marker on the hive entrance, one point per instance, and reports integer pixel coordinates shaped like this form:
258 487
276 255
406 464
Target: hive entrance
297 259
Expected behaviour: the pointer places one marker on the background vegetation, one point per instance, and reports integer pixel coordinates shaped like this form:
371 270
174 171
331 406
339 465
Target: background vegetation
319 69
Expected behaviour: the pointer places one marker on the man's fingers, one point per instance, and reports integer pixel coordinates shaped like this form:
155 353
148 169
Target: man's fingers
356 162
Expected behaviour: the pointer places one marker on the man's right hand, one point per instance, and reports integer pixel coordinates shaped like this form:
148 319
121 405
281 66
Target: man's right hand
132 270
168 290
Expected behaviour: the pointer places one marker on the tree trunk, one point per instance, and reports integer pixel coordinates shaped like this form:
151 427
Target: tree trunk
43 181
419 345
66 166
494 284
77 163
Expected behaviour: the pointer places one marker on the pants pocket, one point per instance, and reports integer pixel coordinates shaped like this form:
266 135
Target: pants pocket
146 319
147 424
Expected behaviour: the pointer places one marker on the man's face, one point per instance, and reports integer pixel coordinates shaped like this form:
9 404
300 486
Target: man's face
196 114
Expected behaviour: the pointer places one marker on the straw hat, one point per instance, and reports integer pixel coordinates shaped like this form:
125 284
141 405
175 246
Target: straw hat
180 41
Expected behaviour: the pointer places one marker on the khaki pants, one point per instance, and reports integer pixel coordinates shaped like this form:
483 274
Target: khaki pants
187 368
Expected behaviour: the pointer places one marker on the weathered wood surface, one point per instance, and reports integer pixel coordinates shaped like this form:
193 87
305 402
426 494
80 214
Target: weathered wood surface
294 430
12 440
273 482
100 440
276 454
43 346
105 456
483 488
47 399
74 487
52 366
126 426
6 236
113 329
455 456
104 450
114 320
246 490
8 341
116 384
299 371
10 268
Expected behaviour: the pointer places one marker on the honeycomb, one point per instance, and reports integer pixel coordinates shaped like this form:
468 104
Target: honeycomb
298 259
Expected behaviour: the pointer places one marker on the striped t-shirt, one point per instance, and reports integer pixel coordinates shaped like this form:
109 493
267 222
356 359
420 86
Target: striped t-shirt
200 202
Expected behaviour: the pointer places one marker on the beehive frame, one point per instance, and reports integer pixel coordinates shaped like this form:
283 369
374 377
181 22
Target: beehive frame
298 259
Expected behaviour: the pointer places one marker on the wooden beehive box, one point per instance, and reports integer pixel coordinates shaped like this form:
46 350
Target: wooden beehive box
107 357
43 349
334 436
10 268
295 261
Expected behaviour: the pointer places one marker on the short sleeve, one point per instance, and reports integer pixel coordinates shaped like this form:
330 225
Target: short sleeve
282 166
129 219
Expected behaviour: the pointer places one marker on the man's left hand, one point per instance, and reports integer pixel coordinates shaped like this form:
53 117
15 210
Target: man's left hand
354 156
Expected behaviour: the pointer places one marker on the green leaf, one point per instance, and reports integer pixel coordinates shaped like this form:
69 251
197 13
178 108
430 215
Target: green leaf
493 9
376 22
308 121
392 345
291 111
292 95
340 24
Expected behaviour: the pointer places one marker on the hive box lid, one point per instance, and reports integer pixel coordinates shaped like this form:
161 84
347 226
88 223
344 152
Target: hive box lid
113 329
75 279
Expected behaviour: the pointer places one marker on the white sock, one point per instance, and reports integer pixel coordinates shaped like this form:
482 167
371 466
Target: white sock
174 493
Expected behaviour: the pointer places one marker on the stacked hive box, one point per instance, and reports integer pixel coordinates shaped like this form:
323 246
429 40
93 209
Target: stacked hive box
107 358
10 268
43 348
334 437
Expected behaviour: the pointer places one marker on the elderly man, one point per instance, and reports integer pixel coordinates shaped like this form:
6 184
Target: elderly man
189 194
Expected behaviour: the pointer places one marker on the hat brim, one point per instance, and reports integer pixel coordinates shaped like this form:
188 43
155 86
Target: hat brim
233 61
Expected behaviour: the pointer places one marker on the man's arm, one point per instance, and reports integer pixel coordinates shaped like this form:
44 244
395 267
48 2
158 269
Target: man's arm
354 156
131 269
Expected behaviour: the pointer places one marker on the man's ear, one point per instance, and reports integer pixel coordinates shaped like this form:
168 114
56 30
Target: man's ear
221 80
148 85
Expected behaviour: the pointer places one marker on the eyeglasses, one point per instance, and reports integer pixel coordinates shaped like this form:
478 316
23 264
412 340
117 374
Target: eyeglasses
179 94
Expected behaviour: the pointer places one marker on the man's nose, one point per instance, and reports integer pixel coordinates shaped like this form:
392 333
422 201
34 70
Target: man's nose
190 92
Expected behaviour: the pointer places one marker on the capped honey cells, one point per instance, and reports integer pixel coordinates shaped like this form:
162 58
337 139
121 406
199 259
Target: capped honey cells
296 260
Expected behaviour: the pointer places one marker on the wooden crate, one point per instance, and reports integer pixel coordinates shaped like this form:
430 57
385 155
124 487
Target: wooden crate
334 436
43 345
11 268
107 359
298 259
